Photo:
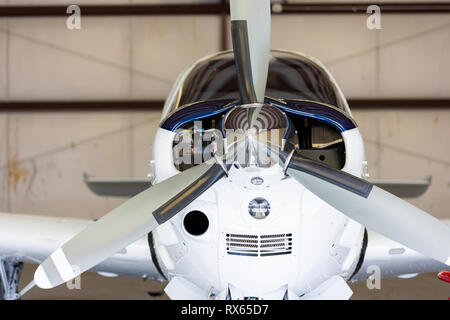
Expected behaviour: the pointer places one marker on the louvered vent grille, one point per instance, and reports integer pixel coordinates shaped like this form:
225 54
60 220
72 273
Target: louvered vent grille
262 246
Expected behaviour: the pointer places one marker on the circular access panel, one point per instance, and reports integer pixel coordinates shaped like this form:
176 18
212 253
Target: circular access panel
196 223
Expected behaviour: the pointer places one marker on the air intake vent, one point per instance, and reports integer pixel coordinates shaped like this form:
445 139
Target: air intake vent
262 246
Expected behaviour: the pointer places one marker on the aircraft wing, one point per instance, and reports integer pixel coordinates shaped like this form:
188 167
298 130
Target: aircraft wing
31 239
403 188
116 187
394 259
129 187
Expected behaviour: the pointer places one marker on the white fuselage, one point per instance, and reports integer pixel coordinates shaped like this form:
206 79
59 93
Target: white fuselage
324 242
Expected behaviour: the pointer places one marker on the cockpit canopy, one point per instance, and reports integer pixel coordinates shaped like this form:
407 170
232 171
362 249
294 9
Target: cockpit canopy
311 107
290 76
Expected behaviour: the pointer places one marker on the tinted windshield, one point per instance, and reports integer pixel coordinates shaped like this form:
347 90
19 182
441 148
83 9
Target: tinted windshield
290 76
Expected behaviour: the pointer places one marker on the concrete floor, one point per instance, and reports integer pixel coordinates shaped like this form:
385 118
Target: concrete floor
96 287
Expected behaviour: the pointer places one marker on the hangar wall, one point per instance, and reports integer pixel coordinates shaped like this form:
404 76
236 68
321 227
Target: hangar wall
123 57
44 154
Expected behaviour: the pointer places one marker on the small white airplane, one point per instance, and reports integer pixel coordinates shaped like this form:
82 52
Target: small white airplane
281 213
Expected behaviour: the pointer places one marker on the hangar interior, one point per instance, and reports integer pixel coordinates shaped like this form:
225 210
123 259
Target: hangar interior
89 101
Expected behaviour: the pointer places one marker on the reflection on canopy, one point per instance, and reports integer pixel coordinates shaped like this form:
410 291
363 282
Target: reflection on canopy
291 76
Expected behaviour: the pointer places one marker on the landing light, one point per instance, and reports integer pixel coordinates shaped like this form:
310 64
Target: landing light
259 208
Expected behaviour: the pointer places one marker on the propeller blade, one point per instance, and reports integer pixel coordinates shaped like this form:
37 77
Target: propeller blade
250 30
374 208
126 224
239 35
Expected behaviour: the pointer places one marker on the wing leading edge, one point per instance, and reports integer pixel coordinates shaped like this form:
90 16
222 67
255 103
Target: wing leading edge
116 187
404 188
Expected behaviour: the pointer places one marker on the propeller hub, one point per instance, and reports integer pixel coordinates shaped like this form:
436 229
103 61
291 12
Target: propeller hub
255 130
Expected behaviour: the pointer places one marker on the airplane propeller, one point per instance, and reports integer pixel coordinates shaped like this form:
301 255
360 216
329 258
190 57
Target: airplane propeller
126 224
373 207
250 32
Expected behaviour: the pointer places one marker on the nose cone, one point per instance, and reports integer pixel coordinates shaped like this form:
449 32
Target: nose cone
257 132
